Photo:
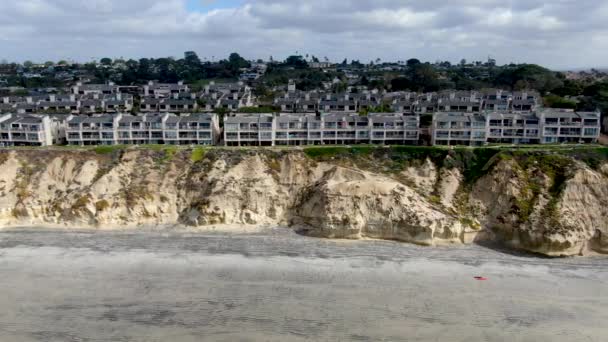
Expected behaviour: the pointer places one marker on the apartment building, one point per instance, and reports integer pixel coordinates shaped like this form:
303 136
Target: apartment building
459 101
160 90
249 130
193 129
458 129
545 126
158 128
101 89
327 129
92 130
513 128
525 101
27 130
564 126
390 128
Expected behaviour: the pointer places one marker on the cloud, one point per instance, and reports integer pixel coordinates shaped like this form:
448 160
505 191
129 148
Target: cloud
559 33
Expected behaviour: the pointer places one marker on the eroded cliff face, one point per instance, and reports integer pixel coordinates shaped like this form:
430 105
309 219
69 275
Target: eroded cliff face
554 205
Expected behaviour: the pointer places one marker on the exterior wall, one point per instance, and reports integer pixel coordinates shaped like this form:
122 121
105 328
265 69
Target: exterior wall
190 132
313 130
25 133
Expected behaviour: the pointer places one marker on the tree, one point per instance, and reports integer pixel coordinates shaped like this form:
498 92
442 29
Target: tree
463 62
106 61
49 64
237 62
569 88
297 62
554 101
528 76
28 64
412 62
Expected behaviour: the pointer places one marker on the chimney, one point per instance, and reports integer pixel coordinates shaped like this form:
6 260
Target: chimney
180 83
52 98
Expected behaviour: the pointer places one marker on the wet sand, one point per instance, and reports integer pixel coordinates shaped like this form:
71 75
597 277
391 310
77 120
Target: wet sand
274 285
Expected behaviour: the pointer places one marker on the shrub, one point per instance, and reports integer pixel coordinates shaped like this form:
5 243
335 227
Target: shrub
108 149
102 205
197 154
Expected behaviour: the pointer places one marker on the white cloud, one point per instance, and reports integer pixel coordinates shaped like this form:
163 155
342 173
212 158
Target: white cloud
552 33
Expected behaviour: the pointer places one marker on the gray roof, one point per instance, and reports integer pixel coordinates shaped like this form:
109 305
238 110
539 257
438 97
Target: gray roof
248 118
92 119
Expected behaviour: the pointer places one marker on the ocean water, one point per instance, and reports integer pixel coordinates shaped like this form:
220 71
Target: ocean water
280 286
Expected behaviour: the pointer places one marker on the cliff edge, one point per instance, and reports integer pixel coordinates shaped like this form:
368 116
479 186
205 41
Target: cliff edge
549 202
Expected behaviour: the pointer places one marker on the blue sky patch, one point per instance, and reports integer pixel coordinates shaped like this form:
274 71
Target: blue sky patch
208 5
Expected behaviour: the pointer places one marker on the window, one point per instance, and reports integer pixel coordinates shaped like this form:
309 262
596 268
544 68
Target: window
232 127
551 130
591 131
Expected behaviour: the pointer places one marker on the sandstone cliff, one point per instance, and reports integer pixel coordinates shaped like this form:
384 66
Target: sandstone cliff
550 203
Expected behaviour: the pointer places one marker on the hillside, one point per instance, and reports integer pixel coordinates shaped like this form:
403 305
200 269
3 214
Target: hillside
553 202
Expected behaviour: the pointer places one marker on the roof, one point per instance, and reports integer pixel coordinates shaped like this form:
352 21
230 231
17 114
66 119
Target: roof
459 117
197 118
92 119
249 118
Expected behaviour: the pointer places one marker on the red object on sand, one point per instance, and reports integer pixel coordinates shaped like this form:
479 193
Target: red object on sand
481 278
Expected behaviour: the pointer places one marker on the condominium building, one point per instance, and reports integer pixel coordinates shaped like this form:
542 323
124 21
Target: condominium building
458 129
541 127
563 126
101 89
325 129
249 130
390 128
92 130
193 129
164 89
513 128
27 130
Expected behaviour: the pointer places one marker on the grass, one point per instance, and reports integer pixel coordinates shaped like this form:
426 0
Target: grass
197 154
108 149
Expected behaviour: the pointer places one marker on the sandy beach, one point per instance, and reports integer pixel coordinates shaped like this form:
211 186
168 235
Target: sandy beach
275 285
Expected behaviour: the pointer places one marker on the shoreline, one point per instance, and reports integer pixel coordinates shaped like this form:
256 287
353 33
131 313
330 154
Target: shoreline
220 228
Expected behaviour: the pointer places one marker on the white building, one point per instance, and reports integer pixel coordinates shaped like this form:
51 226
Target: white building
158 128
325 129
27 130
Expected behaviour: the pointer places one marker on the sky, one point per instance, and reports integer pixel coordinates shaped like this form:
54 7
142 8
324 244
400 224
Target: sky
560 34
